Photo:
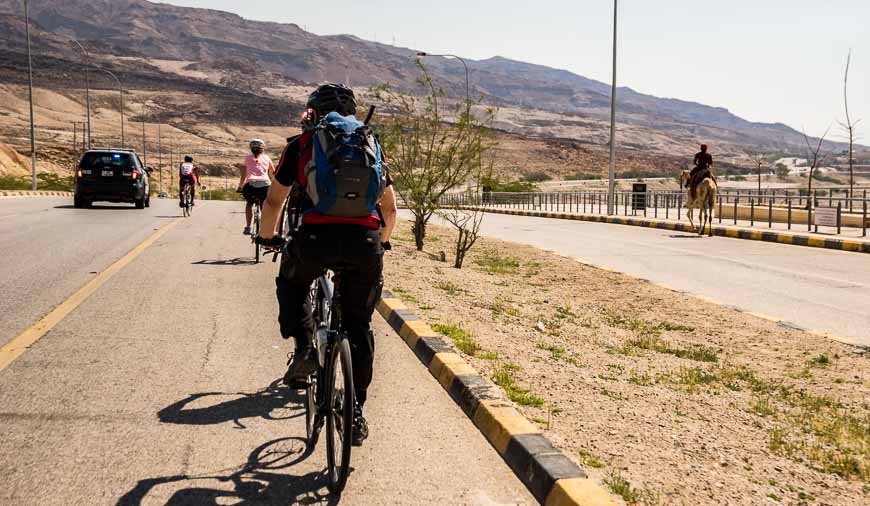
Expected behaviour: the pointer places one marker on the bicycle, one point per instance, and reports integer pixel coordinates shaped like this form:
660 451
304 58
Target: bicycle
329 391
255 228
186 201
256 210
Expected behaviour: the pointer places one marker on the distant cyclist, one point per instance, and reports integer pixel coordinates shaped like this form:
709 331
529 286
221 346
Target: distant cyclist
187 174
257 175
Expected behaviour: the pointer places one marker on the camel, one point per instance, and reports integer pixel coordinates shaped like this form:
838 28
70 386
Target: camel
705 200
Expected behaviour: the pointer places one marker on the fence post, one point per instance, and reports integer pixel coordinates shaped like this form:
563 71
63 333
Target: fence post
788 200
679 206
720 209
839 217
864 221
751 211
736 199
770 213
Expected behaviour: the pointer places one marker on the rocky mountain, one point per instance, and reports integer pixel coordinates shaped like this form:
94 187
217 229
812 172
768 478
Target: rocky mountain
220 41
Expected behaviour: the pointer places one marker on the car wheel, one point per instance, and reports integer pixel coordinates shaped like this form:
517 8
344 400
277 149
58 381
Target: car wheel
140 203
87 204
77 202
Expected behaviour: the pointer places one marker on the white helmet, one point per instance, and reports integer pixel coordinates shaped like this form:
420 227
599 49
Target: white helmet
257 142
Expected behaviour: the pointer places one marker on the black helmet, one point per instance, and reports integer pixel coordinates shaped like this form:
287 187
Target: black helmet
188 158
332 97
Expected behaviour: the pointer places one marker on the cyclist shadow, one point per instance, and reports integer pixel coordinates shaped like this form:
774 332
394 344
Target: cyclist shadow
230 261
257 481
275 402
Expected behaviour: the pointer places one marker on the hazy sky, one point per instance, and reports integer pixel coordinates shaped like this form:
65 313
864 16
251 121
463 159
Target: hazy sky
765 60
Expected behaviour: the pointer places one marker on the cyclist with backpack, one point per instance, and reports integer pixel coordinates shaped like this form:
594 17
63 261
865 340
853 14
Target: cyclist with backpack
255 180
187 174
349 210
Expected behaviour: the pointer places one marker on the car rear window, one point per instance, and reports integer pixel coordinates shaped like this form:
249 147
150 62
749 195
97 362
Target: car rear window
97 160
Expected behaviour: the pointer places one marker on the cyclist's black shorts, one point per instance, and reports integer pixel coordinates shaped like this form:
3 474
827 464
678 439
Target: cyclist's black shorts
253 193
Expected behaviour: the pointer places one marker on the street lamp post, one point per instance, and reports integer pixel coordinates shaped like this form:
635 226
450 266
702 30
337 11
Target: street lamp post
121 93
611 184
87 60
467 89
30 92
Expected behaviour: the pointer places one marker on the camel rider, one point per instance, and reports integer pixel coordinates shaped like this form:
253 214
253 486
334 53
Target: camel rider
703 168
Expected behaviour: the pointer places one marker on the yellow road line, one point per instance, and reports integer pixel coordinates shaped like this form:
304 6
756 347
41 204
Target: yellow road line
18 345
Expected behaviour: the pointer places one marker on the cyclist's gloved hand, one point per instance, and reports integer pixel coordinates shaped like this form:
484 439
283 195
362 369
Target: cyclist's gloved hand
387 246
238 189
274 242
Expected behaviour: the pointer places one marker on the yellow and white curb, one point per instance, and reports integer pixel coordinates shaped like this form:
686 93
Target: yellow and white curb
551 477
28 193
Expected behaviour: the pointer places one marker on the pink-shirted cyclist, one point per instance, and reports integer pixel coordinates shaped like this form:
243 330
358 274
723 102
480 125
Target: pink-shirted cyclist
256 178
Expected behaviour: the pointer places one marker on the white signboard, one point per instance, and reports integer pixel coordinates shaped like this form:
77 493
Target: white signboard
825 217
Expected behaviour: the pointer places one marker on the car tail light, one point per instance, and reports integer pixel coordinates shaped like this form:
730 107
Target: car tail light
79 173
136 174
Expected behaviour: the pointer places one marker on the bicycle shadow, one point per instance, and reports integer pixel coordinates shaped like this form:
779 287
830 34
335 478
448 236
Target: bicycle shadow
257 481
275 402
230 261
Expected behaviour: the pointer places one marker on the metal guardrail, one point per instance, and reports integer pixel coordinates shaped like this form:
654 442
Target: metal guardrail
744 208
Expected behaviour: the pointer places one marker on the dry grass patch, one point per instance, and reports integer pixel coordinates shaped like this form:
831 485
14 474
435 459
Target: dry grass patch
699 403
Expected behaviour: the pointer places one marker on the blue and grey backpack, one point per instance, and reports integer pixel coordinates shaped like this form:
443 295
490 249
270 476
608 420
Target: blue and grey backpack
345 176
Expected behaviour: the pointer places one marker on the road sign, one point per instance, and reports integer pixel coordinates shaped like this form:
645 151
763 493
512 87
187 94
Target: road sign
825 216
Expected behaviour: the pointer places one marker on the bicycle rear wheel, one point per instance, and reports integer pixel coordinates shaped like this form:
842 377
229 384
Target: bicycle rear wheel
339 419
255 231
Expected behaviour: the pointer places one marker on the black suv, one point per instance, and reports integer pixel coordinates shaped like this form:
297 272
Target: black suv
112 175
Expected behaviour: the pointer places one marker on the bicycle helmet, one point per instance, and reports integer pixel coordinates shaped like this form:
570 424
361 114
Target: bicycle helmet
188 159
257 144
332 97
703 147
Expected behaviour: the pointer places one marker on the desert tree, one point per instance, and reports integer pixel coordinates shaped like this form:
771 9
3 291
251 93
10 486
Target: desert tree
433 146
849 127
815 157
467 219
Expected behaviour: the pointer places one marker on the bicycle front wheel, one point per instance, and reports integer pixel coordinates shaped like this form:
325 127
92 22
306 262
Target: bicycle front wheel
339 419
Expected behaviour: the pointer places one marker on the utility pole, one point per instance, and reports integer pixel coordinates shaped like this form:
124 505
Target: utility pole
121 110
87 60
75 147
611 184
144 148
159 157
30 92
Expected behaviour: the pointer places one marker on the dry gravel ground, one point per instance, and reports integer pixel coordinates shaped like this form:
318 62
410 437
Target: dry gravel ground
664 398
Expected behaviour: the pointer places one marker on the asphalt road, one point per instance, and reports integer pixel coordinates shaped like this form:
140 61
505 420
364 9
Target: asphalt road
161 388
814 288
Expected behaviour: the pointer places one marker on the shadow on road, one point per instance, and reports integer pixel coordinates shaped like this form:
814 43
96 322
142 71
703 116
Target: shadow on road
262 479
255 482
275 402
97 207
687 236
231 261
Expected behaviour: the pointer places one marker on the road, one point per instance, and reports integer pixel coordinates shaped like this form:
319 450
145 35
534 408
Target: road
814 288
161 387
